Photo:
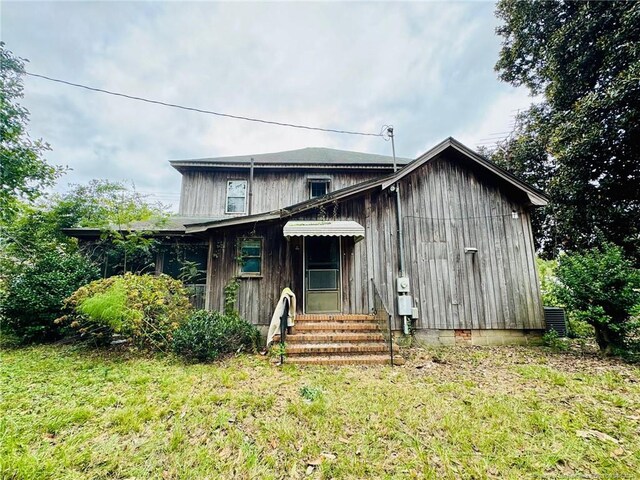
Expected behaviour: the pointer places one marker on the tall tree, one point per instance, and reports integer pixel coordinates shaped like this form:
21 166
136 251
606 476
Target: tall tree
112 207
23 170
583 141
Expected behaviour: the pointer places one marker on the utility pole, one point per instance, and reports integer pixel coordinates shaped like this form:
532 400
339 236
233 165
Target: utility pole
396 188
404 300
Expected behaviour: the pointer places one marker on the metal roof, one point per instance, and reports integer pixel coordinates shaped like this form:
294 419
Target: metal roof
173 224
321 228
302 158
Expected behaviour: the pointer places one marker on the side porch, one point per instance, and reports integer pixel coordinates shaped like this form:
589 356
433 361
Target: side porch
336 323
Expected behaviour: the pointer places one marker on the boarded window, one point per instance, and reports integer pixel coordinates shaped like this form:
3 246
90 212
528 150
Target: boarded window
251 256
236 196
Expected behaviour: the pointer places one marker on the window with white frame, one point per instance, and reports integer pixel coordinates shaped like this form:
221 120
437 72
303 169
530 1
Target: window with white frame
236 196
318 187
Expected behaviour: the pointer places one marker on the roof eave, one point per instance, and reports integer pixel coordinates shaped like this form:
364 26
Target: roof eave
536 197
184 165
203 227
95 233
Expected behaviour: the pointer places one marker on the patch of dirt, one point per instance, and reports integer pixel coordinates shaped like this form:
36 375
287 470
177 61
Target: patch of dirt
498 365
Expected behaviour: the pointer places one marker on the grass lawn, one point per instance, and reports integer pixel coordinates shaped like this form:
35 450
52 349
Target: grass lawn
509 412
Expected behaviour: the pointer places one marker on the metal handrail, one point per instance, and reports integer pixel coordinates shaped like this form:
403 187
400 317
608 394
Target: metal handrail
383 318
284 322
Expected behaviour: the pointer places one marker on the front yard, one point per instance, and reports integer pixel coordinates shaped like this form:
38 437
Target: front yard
510 412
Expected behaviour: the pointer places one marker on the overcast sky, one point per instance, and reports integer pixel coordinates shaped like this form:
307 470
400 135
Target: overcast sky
426 68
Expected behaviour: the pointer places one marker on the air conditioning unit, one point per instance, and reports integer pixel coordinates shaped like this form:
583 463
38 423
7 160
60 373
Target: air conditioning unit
555 319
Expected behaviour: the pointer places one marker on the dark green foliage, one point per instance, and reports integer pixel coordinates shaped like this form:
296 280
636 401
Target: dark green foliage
35 293
578 327
143 309
582 142
100 204
23 171
548 287
34 252
601 287
206 336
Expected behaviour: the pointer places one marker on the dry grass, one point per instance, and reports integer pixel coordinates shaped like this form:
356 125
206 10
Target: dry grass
449 413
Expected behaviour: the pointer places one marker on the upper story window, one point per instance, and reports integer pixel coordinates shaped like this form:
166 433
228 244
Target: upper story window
236 196
318 187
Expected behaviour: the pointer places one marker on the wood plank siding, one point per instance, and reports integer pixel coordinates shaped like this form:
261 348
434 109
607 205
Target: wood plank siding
203 192
447 206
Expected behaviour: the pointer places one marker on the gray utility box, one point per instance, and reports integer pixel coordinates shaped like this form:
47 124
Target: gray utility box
402 285
405 305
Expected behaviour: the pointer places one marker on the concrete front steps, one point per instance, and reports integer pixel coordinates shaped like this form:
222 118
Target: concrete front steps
337 339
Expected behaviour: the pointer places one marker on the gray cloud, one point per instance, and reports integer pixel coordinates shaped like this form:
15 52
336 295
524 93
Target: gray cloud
425 67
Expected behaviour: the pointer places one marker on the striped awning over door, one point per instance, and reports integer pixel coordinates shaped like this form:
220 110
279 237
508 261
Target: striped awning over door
322 228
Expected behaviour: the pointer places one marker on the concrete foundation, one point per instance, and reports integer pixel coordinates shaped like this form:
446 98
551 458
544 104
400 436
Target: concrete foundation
479 337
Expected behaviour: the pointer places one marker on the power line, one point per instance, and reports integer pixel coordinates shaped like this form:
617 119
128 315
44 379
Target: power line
200 110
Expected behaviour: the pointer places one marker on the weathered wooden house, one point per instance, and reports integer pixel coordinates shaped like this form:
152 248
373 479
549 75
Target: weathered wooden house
443 244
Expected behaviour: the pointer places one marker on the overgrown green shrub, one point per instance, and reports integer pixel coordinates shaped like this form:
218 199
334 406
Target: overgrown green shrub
34 293
548 281
576 328
108 307
553 340
145 309
601 287
206 336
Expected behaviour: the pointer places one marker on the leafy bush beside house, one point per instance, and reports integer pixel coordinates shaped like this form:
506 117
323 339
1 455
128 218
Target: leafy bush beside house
576 327
144 309
601 287
548 281
206 336
34 293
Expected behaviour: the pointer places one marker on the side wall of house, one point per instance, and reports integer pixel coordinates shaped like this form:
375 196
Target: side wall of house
204 191
446 209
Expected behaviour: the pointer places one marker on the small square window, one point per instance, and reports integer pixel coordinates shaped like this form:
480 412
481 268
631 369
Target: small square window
251 256
318 188
236 196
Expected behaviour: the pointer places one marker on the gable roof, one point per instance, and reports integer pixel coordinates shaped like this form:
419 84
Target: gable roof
302 158
534 196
